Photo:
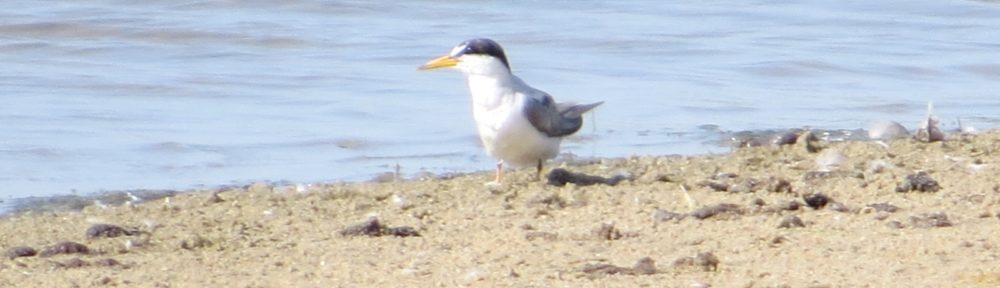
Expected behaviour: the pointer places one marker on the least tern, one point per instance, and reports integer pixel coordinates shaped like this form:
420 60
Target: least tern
518 125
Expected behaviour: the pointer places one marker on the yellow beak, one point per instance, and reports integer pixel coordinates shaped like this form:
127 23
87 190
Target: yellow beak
440 62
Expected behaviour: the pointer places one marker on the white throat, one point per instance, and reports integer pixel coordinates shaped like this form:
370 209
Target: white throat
490 82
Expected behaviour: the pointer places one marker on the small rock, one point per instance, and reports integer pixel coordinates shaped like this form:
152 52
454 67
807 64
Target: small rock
195 242
71 263
705 260
887 130
791 221
402 231
373 228
778 185
715 185
548 236
921 182
605 269
817 201
883 207
20 251
788 206
213 198
370 227
108 231
812 143
65 247
550 201
645 266
607 231
663 215
107 262
894 224
929 131
777 240
839 207
710 211
560 177
930 220
787 138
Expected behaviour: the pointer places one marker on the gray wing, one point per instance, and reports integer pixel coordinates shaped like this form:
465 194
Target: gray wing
555 119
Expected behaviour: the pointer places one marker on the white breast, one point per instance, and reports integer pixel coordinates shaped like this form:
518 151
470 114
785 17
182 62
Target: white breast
506 134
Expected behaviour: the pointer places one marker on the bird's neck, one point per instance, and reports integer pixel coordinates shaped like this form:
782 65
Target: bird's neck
491 90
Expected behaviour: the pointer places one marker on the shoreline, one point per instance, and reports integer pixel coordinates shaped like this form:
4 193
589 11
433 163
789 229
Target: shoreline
848 214
75 201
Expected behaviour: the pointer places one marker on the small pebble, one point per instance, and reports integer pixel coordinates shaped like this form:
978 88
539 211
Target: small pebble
887 130
72 263
607 231
817 201
560 177
930 220
921 182
778 185
20 251
213 198
710 211
645 266
107 262
839 207
548 236
791 221
663 215
706 260
108 231
373 228
894 224
65 247
789 206
883 207
370 227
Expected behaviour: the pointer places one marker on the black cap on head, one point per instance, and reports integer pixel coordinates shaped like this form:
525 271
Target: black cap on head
483 46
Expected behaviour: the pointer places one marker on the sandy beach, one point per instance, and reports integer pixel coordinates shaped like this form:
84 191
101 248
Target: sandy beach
850 214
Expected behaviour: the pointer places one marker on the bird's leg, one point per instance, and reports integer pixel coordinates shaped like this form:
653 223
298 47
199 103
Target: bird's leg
538 174
499 171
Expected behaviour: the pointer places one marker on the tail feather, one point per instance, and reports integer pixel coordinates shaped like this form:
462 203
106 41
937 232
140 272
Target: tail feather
571 110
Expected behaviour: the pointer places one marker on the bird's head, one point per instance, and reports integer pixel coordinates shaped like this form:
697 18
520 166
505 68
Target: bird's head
476 56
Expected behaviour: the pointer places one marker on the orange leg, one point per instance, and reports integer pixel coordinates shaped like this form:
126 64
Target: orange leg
499 171
538 175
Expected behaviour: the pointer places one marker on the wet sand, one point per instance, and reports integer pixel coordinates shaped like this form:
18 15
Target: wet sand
851 214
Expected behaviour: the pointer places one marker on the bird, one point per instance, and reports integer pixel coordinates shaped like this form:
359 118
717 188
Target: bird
519 125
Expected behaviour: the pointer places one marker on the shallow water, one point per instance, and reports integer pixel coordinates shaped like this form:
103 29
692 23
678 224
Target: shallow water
116 95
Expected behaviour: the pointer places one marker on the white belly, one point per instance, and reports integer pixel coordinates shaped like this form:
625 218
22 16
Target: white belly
508 136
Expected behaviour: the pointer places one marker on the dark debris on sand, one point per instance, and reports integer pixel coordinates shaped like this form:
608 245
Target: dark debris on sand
20 251
791 221
560 177
817 201
109 231
645 266
65 247
710 211
373 228
704 260
920 182
930 220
